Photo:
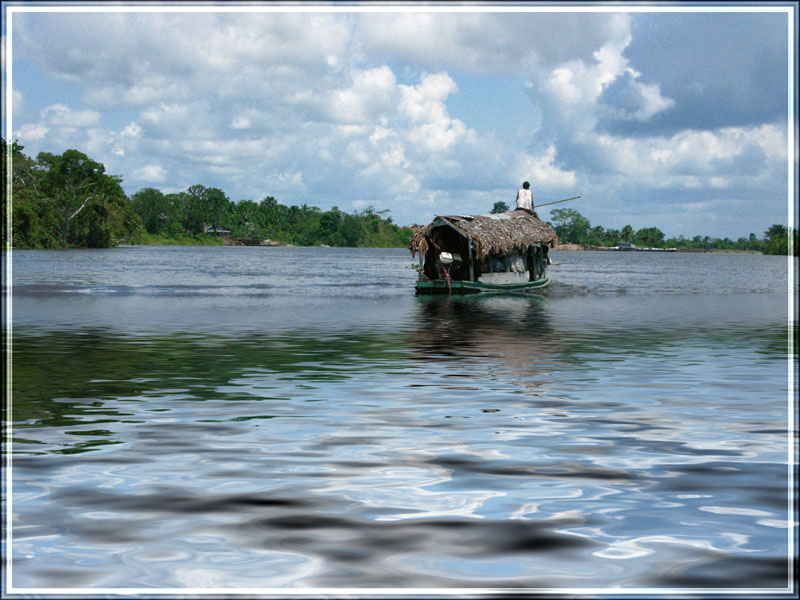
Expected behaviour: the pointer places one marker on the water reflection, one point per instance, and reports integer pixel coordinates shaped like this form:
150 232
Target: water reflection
520 442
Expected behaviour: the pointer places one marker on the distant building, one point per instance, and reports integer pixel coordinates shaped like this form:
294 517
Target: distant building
215 230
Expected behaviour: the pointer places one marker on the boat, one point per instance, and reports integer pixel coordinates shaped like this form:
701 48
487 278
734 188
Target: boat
629 247
466 254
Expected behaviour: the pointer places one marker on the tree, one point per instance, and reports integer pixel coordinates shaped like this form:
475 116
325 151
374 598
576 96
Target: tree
626 234
595 236
651 237
352 230
776 240
218 204
499 207
66 200
33 223
71 181
611 237
330 223
203 206
154 209
571 226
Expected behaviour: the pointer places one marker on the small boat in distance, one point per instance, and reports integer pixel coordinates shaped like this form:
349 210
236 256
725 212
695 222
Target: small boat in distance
630 247
463 254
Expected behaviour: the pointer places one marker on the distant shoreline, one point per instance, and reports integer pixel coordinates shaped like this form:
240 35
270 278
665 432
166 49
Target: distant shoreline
211 242
579 248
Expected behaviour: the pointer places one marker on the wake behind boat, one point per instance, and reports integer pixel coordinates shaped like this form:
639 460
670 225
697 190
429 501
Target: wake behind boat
492 253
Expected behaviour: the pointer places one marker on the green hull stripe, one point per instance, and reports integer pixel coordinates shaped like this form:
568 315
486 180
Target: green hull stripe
477 286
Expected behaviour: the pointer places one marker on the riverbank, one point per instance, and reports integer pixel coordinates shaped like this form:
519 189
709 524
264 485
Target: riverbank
202 239
180 239
578 247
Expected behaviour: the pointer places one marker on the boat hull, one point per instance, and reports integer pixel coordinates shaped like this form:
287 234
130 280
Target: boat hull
439 286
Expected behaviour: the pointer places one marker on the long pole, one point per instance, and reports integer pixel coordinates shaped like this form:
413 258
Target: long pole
557 201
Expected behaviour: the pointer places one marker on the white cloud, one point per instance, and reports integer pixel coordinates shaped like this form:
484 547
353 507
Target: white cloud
693 159
424 106
652 101
59 115
573 89
364 97
16 101
541 171
372 107
127 138
32 132
151 173
487 42
241 122
132 130
424 102
370 94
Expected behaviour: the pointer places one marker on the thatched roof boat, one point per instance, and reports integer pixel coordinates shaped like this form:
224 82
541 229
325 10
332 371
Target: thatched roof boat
466 253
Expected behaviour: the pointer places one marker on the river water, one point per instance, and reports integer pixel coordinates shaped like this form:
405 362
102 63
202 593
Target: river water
237 418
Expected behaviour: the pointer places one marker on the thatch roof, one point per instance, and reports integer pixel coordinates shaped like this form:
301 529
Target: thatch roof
493 234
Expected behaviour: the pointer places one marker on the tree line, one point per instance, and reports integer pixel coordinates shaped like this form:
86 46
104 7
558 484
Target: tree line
574 228
68 201
202 209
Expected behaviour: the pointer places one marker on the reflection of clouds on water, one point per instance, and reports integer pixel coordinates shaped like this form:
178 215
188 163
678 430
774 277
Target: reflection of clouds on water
524 441
637 547
404 488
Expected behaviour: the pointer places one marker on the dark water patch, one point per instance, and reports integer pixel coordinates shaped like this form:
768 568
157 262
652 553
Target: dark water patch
552 471
374 550
726 573
70 577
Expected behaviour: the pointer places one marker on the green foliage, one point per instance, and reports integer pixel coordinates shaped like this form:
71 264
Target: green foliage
187 213
778 239
181 239
69 200
571 226
156 211
649 237
200 207
499 207
626 234
66 200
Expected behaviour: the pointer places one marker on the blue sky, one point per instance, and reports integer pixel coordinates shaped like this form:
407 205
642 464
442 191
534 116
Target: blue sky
667 116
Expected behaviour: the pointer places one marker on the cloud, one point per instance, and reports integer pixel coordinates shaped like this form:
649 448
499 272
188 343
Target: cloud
241 122
721 69
367 95
127 138
488 42
32 132
390 108
543 172
694 158
17 101
151 173
424 107
627 99
98 47
59 122
59 115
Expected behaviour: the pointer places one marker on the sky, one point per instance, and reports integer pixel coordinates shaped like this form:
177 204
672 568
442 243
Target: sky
676 117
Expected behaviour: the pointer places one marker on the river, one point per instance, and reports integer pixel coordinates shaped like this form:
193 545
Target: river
237 418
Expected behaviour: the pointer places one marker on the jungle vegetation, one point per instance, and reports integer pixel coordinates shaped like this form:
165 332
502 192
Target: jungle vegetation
69 201
573 228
